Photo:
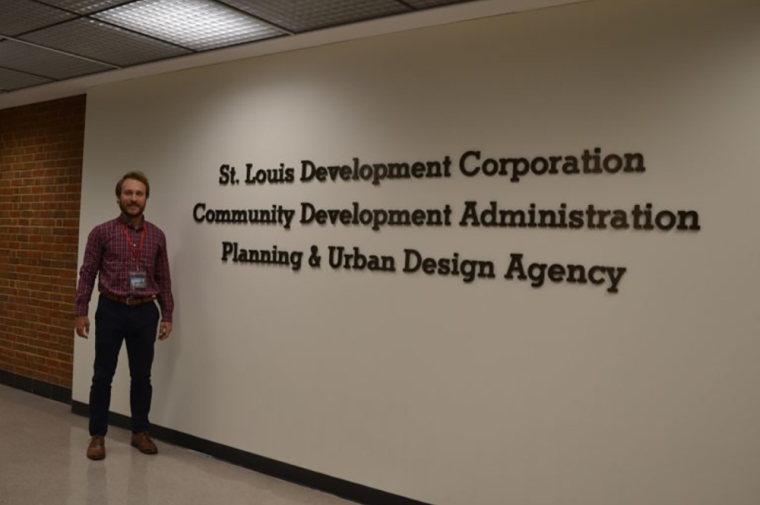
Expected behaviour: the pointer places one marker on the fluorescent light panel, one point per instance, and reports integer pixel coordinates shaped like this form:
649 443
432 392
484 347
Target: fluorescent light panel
196 24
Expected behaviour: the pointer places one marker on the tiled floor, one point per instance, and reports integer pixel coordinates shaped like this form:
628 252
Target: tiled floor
42 462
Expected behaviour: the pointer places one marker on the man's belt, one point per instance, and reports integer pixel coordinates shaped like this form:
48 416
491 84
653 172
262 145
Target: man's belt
131 300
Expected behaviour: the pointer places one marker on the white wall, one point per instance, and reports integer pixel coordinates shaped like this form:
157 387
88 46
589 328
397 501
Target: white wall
451 393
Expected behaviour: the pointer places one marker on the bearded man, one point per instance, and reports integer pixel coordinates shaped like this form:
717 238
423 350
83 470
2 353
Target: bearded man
128 254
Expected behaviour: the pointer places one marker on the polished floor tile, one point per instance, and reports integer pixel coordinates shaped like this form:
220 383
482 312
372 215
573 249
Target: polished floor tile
42 462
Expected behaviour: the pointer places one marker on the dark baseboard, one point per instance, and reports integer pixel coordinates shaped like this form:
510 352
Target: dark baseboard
37 387
301 476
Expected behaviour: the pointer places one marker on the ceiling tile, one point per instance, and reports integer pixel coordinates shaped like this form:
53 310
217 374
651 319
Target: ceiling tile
197 24
305 15
105 43
21 16
10 80
18 56
426 4
85 6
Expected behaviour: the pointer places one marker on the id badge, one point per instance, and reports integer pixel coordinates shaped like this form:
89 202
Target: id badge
138 279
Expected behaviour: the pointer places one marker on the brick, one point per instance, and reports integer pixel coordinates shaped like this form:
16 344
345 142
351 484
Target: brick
41 147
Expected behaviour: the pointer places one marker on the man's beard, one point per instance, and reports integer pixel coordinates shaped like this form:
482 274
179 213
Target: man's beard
128 210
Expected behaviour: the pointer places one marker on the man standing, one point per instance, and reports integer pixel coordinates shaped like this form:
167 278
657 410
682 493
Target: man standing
129 255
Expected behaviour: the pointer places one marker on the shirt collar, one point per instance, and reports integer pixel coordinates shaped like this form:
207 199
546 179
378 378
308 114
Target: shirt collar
123 219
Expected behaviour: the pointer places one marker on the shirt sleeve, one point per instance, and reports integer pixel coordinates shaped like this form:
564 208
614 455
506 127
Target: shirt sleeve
164 281
89 271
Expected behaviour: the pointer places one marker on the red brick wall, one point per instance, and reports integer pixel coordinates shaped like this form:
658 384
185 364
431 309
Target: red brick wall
41 149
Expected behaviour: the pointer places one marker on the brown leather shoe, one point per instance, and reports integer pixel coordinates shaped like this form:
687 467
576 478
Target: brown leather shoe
97 448
143 443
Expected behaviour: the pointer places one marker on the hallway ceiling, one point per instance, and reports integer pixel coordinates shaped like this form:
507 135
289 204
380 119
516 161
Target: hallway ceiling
43 41
55 48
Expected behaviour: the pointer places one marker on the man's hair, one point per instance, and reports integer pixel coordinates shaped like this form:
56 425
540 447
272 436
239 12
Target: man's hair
138 176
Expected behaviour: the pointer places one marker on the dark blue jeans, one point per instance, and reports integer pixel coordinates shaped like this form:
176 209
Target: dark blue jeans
137 326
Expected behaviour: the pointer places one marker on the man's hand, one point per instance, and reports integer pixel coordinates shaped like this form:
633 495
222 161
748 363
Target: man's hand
165 330
82 326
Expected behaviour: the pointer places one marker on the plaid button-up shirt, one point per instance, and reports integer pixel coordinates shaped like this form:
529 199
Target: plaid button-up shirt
110 254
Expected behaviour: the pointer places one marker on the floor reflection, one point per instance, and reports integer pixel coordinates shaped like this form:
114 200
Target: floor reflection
43 462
